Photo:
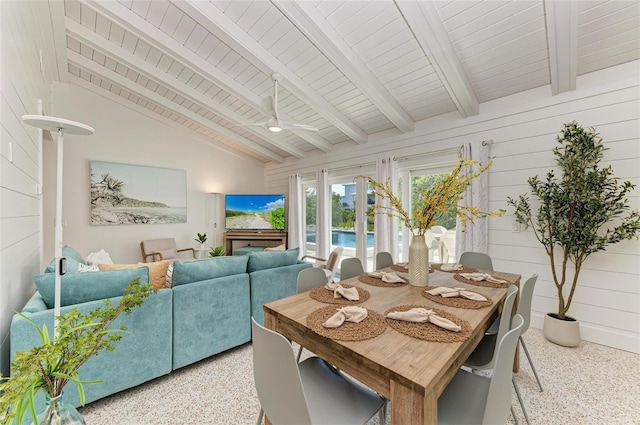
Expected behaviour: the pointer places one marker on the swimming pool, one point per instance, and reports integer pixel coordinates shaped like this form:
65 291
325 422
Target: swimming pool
344 238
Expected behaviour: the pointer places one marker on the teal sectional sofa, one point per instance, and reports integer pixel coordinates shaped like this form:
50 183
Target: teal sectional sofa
206 310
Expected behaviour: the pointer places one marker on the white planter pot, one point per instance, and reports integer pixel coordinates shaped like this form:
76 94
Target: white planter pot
562 332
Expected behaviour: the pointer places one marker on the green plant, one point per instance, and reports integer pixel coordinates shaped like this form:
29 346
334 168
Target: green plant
50 366
581 212
218 251
202 237
437 200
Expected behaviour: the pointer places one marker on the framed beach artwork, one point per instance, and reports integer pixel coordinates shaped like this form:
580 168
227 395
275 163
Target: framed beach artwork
134 194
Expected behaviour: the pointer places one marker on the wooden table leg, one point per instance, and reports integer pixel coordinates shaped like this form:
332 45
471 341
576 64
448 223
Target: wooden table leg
409 406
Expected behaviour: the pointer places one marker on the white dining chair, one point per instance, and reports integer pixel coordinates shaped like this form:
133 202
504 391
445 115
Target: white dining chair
448 245
383 260
524 309
433 243
350 267
308 279
483 356
309 392
479 260
475 399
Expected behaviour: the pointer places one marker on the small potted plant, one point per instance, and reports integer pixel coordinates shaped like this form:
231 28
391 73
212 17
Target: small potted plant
50 366
579 213
201 238
218 251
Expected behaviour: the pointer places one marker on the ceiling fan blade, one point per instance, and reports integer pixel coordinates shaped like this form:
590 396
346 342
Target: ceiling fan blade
267 103
295 126
257 124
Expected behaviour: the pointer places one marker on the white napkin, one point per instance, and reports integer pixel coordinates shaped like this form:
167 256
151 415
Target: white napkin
340 291
445 292
477 277
451 267
422 315
346 314
387 277
404 265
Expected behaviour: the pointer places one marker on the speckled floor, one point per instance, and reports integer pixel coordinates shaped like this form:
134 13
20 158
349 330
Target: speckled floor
589 384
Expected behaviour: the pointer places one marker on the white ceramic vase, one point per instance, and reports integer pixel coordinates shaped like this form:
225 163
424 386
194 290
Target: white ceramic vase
561 332
418 261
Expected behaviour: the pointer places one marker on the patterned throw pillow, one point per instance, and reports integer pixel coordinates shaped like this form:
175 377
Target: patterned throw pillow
86 268
157 271
169 276
275 248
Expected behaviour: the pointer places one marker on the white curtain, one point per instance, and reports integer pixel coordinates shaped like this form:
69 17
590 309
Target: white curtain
474 237
323 214
386 228
295 214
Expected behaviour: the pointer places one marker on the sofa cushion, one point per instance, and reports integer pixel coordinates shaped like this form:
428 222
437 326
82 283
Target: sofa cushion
79 288
70 252
157 271
210 268
271 259
73 265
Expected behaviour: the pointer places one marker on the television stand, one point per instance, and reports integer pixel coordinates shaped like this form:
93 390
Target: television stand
244 238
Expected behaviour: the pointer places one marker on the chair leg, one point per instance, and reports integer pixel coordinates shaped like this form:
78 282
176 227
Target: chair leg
533 368
260 417
299 354
524 411
513 413
382 414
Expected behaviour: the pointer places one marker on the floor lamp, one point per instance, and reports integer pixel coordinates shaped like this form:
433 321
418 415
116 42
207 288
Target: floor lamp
61 126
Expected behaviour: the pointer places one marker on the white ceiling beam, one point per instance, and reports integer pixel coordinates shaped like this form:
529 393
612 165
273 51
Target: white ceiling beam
81 82
217 23
561 18
56 13
142 29
306 18
118 54
422 18
122 81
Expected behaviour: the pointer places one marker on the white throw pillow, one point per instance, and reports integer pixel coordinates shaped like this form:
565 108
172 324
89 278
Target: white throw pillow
100 257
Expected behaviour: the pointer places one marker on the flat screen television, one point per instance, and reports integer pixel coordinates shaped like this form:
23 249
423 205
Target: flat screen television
254 212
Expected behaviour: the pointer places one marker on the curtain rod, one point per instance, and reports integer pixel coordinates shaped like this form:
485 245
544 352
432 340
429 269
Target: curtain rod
404 158
350 167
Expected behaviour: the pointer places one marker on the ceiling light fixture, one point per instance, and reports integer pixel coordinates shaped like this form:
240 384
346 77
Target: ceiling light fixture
274 126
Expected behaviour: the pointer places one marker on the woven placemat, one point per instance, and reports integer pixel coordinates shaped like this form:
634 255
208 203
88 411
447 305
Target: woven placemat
374 281
429 331
404 269
369 328
457 302
484 283
438 266
320 293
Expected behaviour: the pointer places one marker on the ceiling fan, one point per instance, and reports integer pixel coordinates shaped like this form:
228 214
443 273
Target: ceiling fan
275 124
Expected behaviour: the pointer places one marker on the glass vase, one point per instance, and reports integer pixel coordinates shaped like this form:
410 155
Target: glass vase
418 261
59 413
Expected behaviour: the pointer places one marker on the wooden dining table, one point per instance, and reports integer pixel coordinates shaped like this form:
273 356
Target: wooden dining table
410 372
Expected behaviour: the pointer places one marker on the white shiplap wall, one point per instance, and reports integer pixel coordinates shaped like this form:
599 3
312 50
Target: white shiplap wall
26 30
523 128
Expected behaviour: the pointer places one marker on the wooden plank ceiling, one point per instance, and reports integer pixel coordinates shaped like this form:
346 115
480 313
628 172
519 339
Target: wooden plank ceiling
348 68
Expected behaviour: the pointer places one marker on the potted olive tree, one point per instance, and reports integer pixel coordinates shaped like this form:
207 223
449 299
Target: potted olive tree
580 212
